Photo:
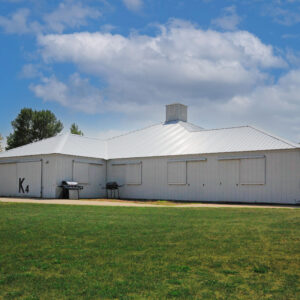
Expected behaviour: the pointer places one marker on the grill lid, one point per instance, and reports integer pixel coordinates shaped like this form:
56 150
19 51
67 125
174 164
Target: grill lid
112 185
70 183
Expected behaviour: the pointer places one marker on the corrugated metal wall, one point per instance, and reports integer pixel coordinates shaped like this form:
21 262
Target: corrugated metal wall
53 169
21 178
273 176
213 179
61 167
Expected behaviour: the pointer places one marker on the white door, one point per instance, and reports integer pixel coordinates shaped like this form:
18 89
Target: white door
91 177
96 181
29 179
197 178
8 175
228 183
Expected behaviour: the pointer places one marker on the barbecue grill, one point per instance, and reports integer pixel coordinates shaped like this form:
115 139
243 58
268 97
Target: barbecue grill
70 186
113 187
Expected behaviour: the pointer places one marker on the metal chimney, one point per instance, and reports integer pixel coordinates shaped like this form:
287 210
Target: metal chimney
176 112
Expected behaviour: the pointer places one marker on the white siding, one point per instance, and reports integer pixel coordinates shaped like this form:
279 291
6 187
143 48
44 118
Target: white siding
55 169
282 178
282 175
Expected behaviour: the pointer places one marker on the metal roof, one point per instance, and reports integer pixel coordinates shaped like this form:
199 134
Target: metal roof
68 144
165 139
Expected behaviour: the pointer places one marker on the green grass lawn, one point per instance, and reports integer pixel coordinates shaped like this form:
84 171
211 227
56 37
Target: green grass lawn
85 252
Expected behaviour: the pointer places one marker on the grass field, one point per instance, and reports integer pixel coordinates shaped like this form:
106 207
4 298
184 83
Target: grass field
71 252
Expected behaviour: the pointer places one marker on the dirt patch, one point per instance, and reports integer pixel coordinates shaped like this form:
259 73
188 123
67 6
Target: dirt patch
114 202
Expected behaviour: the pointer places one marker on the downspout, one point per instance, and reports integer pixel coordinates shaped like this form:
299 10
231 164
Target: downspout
42 170
73 161
106 176
106 167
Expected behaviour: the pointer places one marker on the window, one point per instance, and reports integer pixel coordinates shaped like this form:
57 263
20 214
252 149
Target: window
197 173
118 173
96 174
228 171
253 171
134 173
177 172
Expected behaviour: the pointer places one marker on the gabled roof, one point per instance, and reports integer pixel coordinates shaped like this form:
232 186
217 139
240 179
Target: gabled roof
165 139
68 144
178 139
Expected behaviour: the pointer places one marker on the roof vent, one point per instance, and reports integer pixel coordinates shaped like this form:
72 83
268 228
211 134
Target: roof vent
176 112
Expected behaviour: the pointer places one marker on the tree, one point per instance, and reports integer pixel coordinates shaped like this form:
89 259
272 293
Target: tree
75 130
31 126
45 125
1 139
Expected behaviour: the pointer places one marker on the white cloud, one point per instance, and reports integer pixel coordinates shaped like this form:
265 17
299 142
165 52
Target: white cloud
293 57
182 62
134 5
30 71
229 20
221 74
18 23
69 14
77 93
283 15
107 28
275 106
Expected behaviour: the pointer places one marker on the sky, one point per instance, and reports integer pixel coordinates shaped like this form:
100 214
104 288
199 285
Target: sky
112 66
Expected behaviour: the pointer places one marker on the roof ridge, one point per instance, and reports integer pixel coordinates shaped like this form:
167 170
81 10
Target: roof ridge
130 132
62 142
275 136
232 127
87 137
185 125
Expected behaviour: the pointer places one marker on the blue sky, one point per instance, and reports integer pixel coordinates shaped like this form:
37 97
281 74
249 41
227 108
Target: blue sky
111 66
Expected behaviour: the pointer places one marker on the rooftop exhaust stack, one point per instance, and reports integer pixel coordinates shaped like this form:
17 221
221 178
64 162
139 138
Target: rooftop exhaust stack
176 112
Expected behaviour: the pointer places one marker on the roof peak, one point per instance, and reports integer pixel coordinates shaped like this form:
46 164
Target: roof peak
84 136
132 131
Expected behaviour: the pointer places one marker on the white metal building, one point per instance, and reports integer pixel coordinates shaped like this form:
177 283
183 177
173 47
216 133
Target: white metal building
174 160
